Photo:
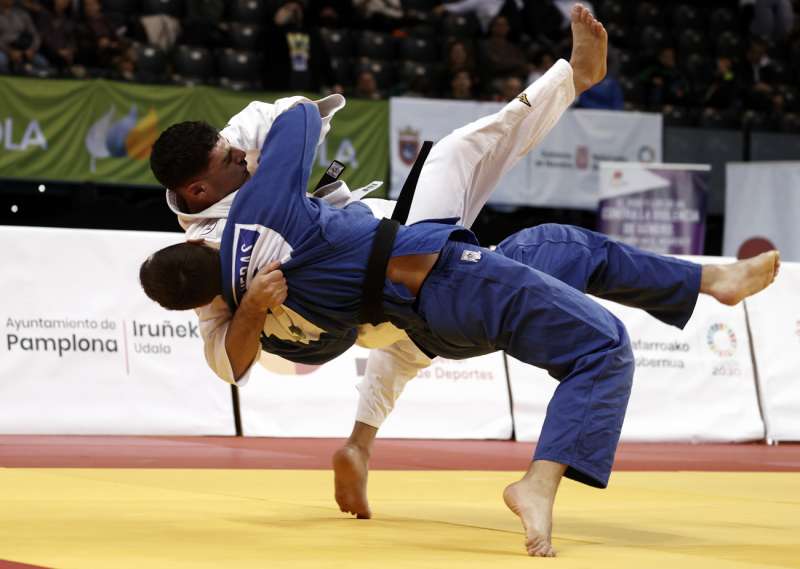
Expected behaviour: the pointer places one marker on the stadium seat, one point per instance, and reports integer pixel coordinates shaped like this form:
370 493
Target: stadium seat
712 118
192 65
338 43
419 49
631 90
629 63
722 20
754 120
648 14
169 7
151 64
375 45
678 116
248 11
410 70
729 45
238 66
613 11
617 35
121 6
790 123
245 36
697 66
691 41
686 16
342 70
381 70
461 26
652 39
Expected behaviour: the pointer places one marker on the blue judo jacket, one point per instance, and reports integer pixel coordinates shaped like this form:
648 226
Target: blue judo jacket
323 250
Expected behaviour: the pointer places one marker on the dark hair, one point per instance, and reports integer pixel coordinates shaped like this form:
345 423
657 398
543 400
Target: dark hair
182 276
182 151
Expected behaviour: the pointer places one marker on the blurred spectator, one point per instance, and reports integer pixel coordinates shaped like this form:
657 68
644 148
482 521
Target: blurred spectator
540 61
461 86
662 82
380 14
721 94
509 88
366 86
485 10
201 23
500 56
459 58
773 18
757 75
330 13
59 30
605 95
295 56
102 45
19 40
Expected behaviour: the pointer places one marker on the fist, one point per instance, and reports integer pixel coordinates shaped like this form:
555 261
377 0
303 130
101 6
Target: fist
268 288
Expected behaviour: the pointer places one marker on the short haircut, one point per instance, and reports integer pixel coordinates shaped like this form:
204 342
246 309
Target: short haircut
182 276
182 151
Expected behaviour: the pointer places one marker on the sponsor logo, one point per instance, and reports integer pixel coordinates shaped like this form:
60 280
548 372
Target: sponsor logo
33 136
408 145
722 340
523 98
127 137
646 154
582 157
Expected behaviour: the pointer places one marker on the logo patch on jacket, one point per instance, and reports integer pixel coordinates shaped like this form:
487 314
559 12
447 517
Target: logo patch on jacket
471 256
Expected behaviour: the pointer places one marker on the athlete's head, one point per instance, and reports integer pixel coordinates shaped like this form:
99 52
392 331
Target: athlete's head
182 276
192 159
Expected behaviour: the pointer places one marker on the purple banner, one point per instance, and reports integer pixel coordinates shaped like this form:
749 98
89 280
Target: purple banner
660 208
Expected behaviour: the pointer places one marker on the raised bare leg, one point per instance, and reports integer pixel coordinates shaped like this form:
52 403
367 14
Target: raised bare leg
532 499
589 49
350 470
732 283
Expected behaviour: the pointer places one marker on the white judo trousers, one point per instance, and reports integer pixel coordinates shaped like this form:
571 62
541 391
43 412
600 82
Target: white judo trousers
457 179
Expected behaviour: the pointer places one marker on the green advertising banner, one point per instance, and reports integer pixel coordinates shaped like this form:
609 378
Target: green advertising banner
102 131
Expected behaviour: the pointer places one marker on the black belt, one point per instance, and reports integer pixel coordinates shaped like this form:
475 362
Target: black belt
382 244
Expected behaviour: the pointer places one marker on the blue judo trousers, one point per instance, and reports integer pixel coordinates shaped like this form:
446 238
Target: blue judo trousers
528 299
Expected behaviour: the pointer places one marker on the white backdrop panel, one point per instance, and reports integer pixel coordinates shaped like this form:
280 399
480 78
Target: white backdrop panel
561 172
762 200
775 325
450 400
690 385
84 351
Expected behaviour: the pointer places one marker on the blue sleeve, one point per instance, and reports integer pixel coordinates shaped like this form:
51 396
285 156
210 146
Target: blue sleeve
288 152
328 347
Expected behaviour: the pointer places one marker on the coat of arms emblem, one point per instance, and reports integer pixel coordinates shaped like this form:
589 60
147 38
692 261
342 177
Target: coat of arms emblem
408 145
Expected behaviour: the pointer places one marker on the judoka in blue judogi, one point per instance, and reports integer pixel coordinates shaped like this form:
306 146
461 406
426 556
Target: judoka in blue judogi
527 298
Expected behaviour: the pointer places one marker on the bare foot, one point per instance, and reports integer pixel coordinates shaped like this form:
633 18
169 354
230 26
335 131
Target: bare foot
534 506
589 49
350 480
732 283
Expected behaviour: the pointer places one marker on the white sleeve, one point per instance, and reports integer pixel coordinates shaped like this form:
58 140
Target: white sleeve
214 321
249 128
388 371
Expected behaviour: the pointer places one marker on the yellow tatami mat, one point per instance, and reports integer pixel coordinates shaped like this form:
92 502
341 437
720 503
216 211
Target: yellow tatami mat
148 519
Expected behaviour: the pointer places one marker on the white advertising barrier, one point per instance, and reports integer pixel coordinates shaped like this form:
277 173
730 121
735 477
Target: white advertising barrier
466 399
84 351
775 326
691 385
561 172
762 200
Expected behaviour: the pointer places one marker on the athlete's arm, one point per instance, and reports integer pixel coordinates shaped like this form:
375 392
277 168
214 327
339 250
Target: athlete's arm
267 290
